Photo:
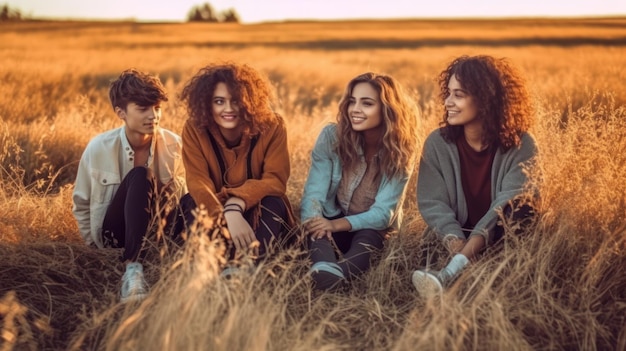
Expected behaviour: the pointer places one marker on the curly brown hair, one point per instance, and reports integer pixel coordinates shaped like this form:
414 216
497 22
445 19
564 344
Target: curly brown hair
249 89
138 87
399 141
499 92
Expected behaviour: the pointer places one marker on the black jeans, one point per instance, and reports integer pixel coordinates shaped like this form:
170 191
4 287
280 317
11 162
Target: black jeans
271 226
521 214
357 248
129 217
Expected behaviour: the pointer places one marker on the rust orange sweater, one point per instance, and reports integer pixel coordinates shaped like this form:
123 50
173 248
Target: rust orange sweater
269 163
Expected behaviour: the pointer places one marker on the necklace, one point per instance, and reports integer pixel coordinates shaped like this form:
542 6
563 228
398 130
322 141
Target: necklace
148 159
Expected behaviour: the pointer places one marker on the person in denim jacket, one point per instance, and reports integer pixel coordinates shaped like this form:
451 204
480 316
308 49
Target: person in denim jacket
355 187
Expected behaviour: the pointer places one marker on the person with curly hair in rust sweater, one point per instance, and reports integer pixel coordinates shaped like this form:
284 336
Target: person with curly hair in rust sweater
473 167
236 157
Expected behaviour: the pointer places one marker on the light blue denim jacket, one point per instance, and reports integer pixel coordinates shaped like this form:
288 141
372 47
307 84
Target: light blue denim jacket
320 190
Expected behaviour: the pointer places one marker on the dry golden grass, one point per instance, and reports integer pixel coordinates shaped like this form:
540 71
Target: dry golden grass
559 287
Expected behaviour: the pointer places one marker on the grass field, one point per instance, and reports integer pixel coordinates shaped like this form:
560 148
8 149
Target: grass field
559 287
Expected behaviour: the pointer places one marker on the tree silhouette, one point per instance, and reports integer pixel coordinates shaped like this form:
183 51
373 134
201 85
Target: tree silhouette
202 13
8 14
230 15
206 13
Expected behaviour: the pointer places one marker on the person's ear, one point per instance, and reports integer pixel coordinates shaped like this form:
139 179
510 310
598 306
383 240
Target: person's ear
120 113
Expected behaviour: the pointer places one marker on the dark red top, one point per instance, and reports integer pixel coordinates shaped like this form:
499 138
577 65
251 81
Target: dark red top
476 180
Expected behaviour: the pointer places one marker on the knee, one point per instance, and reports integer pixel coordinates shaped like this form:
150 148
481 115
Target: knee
187 202
518 211
274 204
370 238
187 205
320 244
141 172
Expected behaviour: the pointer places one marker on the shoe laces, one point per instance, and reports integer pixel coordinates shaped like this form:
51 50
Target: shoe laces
135 279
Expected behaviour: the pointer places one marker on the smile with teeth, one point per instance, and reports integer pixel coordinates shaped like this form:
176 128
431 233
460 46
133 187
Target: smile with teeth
452 113
357 119
229 117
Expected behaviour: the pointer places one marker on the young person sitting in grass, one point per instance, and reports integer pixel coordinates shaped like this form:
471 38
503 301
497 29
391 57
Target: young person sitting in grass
130 177
236 157
473 166
359 170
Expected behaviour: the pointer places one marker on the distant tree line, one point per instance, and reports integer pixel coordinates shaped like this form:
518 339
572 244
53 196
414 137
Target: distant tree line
198 13
206 13
8 14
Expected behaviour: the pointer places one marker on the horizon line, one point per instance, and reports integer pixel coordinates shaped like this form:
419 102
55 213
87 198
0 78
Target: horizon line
310 20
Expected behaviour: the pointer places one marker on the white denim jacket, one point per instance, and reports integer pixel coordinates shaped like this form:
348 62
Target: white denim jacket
107 159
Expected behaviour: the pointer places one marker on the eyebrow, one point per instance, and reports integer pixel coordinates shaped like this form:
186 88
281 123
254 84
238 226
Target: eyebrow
363 98
460 90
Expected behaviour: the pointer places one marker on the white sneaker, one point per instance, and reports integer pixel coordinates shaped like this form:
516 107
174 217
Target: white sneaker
230 272
427 283
134 286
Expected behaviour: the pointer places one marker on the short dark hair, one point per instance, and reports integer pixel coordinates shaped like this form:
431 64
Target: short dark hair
138 87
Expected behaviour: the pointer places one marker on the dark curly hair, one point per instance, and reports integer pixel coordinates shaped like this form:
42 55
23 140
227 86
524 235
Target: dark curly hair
249 89
499 92
138 87
399 113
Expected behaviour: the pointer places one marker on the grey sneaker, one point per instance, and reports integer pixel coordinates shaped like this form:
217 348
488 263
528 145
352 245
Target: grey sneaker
231 272
327 276
134 286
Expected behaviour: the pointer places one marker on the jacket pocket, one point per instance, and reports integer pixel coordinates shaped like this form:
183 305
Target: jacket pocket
104 185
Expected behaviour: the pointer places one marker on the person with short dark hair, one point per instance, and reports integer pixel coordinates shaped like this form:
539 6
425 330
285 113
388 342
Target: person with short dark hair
473 166
129 177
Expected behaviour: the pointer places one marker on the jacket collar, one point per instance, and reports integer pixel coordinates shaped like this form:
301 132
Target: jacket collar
217 135
128 149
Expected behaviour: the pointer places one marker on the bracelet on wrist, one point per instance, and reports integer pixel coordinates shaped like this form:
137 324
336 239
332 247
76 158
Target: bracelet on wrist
231 210
239 208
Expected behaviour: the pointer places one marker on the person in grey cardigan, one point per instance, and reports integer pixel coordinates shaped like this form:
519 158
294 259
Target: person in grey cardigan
473 166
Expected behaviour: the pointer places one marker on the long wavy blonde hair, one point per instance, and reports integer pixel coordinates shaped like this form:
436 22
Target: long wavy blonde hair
400 114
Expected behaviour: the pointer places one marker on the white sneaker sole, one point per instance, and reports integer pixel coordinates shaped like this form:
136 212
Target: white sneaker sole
427 285
133 298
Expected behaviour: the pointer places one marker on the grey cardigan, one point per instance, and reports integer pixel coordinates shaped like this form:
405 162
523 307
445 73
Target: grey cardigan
440 196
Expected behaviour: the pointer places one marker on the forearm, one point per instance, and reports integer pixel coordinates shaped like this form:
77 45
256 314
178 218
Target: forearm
234 201
254 190
340 225
473 246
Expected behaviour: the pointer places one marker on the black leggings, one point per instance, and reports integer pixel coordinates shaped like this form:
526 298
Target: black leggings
357 248
129 216
271 226
519 213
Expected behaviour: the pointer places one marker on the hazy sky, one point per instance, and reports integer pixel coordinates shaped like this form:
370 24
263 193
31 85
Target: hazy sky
268 10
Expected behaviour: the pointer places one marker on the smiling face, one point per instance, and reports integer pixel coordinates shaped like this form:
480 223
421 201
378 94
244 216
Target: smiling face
365 108
226 112
460 106
140 120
